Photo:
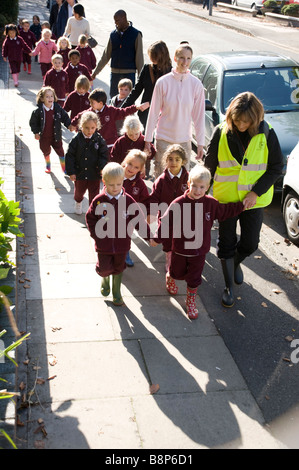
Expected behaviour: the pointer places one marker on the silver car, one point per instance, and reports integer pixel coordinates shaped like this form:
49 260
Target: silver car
290 196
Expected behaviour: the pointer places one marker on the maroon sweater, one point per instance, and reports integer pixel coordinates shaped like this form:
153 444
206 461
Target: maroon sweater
76 103
186 217
110 218
87 57
57 80
65 56
29 38
75 72
124 144
13 49
137 189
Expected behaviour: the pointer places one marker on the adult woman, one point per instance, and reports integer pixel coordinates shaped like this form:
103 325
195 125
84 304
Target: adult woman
178 99
159 66
53 15
77 25
245 159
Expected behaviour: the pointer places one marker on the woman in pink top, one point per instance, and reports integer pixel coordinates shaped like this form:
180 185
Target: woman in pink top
178 99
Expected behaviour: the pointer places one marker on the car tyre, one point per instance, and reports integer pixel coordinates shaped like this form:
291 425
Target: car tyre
291 216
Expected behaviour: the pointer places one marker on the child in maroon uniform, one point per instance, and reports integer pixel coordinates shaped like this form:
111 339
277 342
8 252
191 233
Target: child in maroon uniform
109 222
29 38
132 138
87 55
185 229
57 78
74 69
77 101
108 115
45 123
168 186
124 86
64 47
12 50
133 183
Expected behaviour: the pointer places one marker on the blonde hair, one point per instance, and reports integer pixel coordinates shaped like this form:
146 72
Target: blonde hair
89 116
112 170
56 56
82 39
64 38
175 148
40 97
82 82
199 173
248 106
46 30
131 123
135 153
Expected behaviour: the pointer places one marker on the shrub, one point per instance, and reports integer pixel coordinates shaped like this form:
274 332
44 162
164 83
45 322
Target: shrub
291 10
9 11
270 4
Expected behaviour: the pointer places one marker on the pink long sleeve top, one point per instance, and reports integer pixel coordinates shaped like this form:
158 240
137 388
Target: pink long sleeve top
45 50
178 99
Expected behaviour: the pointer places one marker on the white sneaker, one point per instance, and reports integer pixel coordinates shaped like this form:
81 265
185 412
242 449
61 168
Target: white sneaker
78 208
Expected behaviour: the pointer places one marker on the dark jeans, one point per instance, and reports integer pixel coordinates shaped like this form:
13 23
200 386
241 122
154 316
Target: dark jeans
115 78
250 224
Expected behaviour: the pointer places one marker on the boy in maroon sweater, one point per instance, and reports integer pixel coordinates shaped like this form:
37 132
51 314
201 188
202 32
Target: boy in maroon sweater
29 38
185 229
57 78
110 221
74 69
77 101
108 115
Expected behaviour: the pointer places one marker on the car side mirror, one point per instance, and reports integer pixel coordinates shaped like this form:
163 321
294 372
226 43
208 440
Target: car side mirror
210 107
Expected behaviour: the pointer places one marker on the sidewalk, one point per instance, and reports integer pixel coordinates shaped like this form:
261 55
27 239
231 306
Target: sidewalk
88 366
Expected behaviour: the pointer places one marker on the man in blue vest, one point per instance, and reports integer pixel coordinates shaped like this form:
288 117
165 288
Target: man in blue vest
125 49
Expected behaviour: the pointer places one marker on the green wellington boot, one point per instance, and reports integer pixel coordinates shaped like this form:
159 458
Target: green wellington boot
105 286
116 284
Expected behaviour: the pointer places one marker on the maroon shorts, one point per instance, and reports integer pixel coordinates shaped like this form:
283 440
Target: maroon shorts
81 186
15 66
187 268
110 264
44 66
46 143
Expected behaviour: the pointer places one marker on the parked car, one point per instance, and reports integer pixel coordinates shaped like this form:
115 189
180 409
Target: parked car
250 4
290 196
273 78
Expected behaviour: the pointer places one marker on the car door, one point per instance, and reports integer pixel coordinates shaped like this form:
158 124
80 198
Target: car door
211 85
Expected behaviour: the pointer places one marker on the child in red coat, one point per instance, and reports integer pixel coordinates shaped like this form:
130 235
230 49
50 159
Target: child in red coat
12 50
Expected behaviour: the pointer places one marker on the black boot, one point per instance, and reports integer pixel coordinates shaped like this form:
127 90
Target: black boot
228 273
238 270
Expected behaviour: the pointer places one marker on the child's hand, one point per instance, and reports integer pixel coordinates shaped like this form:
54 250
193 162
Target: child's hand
71 128
199 152
153 243
73 177
143 106
37 137
5 59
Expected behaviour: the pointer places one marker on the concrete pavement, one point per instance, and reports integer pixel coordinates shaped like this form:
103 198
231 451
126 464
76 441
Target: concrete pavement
88 366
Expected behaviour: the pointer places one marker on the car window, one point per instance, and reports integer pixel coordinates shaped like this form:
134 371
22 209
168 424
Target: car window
210 84
198 68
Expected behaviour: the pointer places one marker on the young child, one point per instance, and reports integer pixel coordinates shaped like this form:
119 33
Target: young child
132 138
134 185
64 47
30 40
77 101
46 25
57 78
185 230
45 123
36 27
74 69
13 48
109 222
45 48
88 57
108 115
168 186
125 86
86 156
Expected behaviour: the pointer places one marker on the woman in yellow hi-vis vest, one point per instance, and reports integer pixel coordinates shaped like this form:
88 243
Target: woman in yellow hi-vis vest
245 160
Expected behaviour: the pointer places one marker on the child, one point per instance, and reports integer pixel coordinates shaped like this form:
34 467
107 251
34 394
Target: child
132 138
133 183
170 185
36 27
185 229
45 48
125 86
108 115
57 78
77 101
12 50
86 157
30 40
46 25
109 222
45 123
74 68
87 55
64 47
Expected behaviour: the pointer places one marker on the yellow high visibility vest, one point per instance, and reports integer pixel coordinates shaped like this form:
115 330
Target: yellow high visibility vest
233 181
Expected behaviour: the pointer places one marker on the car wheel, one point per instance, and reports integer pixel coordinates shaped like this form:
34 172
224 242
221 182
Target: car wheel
291 216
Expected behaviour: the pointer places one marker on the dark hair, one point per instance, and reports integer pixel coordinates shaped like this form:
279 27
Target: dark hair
158 52
74 52
79 9
98 95
11 27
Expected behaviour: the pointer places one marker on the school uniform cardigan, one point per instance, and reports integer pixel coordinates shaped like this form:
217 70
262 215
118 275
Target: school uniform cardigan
85 158
59 81
29 38
13 49
76 103
74 71
87 57
37 120
136 188
124 144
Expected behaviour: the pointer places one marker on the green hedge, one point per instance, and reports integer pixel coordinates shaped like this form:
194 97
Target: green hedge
9 10
291 10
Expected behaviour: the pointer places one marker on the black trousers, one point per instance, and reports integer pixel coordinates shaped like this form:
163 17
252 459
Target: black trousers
250 224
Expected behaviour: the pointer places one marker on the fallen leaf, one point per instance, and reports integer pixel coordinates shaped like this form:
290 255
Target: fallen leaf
51 378
53 361
26 286
19 422
263 304
286 359
40 381
277 291
289 338
154 388
22 386
39 444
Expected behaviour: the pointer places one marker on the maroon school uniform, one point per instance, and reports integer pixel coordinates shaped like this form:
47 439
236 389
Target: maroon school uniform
29 38
74 72
47 137
65 55
87 57
136 188
76 103
124 144
59 82
13 50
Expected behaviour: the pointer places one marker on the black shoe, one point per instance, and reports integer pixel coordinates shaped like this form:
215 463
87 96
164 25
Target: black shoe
228 268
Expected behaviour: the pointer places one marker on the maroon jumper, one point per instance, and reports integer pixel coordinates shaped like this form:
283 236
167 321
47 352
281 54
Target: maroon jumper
124 144
76 103
13 49
87 57
58 80
74 72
